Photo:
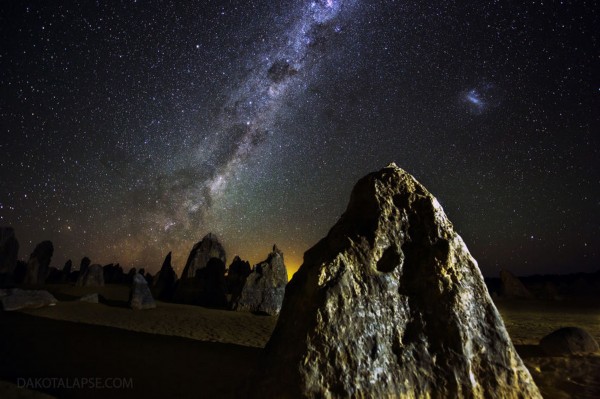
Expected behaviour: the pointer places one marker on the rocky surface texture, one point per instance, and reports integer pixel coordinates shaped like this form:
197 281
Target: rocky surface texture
264 288
568 341
16 299
139 294
38 264
9 251
512 287
92 277
164 282
391 304
209 247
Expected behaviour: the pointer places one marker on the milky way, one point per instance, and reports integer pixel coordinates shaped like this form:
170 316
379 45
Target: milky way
130 129
247 117
287 63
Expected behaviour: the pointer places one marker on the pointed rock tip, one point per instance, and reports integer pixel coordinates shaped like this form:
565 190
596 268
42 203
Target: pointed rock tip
396 168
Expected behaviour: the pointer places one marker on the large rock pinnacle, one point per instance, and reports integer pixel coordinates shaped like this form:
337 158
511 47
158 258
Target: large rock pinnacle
391 304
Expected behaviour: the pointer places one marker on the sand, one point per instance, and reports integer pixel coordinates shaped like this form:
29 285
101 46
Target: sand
189 351
195 322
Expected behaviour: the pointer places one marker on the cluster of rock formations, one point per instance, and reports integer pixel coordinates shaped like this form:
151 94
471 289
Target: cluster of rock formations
205 279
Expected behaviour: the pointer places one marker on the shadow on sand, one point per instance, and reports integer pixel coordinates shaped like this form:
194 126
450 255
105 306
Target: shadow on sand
158 365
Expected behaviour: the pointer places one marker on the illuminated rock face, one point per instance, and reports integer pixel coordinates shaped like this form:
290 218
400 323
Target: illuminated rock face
391 304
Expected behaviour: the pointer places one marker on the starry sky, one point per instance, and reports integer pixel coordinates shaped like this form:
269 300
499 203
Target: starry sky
133 128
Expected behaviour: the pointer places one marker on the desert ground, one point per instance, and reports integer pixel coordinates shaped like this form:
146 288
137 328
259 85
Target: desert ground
180 351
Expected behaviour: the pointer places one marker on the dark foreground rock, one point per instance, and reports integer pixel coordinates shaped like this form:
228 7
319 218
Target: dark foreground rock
265 287
512 287
39 261
391 304
16 299
139 294
568 341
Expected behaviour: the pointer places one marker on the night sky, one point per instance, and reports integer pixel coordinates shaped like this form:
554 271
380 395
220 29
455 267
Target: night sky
133 128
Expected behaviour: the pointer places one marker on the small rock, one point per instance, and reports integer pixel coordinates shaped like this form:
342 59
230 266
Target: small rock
27 299
568 341
139 294
91 298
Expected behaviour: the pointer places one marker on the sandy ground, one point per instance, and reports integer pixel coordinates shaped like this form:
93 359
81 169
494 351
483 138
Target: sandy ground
576 376
187 321
158 366
188 351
